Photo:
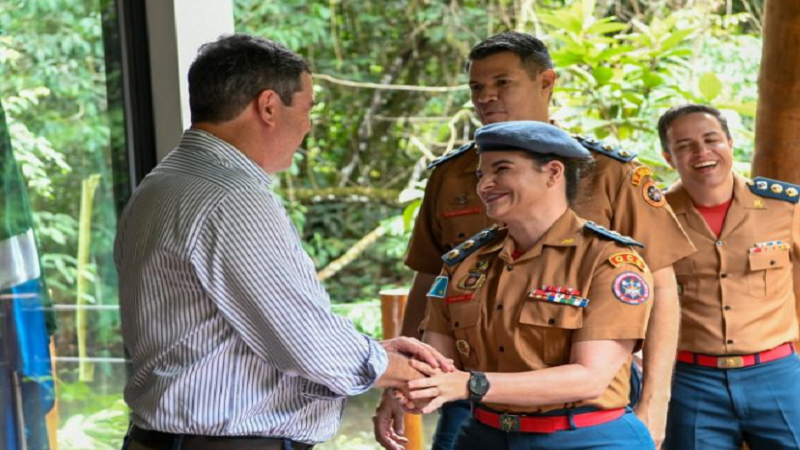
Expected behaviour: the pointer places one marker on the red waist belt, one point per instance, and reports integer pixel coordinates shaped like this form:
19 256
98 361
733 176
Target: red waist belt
542 424
737 361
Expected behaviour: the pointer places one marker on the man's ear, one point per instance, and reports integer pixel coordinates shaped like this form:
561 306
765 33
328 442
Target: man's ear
668 158
268 105
548 79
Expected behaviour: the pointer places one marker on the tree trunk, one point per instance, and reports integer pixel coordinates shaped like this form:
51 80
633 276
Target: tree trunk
777 152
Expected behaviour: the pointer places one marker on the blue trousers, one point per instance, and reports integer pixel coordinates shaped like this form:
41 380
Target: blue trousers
625 433
720 408
454 414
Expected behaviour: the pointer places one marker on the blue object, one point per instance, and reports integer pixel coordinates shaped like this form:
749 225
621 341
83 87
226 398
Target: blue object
451 417
439 288
464 148
606 149
720 408
779 190
625 433
469 246
530 136
636 385
613 235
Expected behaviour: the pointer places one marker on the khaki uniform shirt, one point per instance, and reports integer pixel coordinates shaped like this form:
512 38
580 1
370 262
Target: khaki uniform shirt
736 299
616 197
498 327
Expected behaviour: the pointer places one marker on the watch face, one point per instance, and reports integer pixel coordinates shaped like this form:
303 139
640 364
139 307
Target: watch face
478 384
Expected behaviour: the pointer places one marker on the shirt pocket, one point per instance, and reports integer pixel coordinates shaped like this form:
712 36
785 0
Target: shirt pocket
765 270
686 278
547 329
464 319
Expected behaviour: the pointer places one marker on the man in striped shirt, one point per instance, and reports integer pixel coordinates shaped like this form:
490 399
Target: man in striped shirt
231 336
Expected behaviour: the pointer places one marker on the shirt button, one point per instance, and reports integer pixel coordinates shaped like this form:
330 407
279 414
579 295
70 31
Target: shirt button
719 243
499 307
502 349
727 308
551 321
772 263
455 324
723 275
729 341
461 235
509 267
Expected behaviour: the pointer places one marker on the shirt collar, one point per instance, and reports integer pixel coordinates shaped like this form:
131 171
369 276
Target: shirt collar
221 153
563 233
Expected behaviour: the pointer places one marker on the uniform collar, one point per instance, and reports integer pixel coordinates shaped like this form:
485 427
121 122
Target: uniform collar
221 153
565 232
743 200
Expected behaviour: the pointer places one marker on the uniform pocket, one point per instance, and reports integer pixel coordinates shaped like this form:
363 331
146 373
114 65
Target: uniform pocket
464 319
551 324
765 269
686 278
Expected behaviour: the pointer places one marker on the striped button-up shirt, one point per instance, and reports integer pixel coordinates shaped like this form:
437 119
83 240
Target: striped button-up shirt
229 331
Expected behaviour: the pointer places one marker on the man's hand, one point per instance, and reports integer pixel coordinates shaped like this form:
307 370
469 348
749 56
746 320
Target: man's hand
437 389
387 423
418 350
654 415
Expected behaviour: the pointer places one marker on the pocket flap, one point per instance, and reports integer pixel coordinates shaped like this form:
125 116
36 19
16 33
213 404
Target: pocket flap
769 260
555 315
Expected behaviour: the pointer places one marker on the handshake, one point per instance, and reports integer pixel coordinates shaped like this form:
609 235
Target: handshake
419 380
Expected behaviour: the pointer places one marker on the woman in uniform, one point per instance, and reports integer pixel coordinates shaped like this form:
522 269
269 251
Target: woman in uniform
543 313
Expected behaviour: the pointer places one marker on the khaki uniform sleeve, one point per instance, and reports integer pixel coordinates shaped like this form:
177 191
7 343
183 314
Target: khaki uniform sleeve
425 248
607 316
437 314
655 226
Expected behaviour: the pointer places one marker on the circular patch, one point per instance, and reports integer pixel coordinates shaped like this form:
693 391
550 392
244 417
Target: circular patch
631 288
463 347
652 194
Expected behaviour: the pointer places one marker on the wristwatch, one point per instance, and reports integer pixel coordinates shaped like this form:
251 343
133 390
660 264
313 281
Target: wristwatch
478 386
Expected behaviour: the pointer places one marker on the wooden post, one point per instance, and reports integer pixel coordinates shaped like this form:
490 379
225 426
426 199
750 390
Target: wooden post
393 302
777 152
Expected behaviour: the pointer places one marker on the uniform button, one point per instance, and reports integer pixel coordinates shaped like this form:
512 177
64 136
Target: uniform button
455 324
461 235
499 307
502 349
719 243
772 263
509 267
727 308
723 275
730 341
551 321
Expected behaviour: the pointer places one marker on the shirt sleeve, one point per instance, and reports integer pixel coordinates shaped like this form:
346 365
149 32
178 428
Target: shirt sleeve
425 248
249 260
650 222
620 300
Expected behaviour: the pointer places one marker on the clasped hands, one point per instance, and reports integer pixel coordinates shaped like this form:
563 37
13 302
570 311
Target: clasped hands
438 382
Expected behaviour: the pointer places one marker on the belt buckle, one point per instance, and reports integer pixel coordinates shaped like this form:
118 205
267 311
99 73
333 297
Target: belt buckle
730 362
509 422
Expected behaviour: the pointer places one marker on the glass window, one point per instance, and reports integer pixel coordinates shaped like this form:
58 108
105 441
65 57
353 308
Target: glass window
61 88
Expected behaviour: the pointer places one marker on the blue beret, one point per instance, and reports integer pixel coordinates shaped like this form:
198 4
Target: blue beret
529 136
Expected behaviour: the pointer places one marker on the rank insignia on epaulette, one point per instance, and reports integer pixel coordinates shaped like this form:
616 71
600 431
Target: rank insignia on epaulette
652 194
619 259
464 148
469 246
613 235
778 190
606 149
439 288
631 288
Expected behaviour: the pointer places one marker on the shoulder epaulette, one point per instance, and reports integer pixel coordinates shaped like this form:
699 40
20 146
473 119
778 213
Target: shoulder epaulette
604 148
613 235
451 155
469 246
778 190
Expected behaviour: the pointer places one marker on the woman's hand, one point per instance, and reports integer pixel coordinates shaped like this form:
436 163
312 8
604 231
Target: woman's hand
437 389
